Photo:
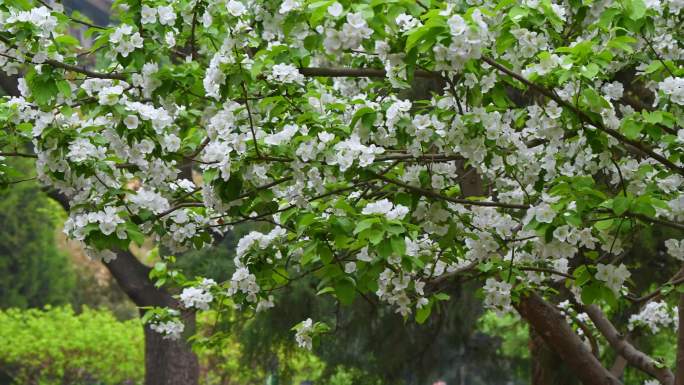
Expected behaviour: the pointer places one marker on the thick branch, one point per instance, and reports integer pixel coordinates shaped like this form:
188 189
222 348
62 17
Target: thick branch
676 279
634 357
552 326
85 71
359 73
465 202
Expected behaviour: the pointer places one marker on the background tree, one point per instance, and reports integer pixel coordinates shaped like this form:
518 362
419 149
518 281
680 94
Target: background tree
34 271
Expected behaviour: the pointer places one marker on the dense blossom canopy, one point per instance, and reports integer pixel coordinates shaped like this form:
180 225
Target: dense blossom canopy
392 146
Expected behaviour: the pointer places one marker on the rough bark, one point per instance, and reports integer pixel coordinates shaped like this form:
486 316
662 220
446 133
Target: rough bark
170 362
555 331
547 366
634 357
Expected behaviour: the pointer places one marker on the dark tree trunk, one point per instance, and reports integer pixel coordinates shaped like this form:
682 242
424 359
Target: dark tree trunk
547 366
170 362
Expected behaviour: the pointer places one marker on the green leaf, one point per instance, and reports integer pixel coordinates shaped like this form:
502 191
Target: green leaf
442 296
327 289
229 190
645 208
305 220
620 205
424 33
360 114
623 43
636 9
604 224
325 253
345 292
518 13
423 313
631 128
376 236
590 71
64 87
67 40
365 224
134 233
398 245
591 293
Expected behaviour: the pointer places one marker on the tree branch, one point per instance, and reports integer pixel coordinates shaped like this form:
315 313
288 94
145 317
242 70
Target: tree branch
554 329
466 202
359 73
634 357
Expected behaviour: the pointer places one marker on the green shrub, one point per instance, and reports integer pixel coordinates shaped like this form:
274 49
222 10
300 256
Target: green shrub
57 346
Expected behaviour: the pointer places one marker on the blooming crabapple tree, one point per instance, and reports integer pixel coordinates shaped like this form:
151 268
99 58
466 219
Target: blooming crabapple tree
547 135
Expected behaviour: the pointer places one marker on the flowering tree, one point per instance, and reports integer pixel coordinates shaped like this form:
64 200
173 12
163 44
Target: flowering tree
394 147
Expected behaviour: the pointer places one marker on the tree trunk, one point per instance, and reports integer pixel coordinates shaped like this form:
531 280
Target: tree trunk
170 362
547 366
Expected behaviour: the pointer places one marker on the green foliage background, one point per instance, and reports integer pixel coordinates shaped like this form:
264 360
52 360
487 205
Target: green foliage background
34 272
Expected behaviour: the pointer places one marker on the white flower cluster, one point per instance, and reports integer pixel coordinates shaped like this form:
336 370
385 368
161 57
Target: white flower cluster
386 208
654 316
200 296
674 88
104 255
109 96
184 225
288 6
466 41
108 221
393 289
146 80
542 213
159 117
406 22
166 14
304 334
613 276
285 73
82 149
169 329
348 150
215 76
40 17
497 295
353 32
125 40
282 136
150 200
261 239
675 248
245 282
236 8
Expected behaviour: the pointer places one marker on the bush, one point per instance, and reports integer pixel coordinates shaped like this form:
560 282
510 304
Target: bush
57 346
